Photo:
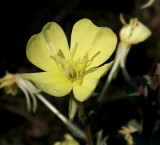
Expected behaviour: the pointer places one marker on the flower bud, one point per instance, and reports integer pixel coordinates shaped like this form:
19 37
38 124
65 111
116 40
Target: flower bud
134 32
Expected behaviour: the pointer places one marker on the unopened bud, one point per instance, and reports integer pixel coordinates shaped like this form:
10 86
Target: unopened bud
134 32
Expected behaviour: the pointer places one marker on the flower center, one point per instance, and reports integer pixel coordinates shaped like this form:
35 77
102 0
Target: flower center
73 70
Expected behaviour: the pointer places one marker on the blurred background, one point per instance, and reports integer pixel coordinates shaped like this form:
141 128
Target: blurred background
20 19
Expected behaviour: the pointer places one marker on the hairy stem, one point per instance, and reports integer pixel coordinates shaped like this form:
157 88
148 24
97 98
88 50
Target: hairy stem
77 131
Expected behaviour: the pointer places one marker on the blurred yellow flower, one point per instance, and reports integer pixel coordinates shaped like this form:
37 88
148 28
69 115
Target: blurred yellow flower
11 83
8 82
134 32
69 140
77 68
127 134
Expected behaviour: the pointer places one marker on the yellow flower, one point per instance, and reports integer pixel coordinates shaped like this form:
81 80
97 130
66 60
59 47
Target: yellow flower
8 82
69 140
127 134
77 68
11 83
134 32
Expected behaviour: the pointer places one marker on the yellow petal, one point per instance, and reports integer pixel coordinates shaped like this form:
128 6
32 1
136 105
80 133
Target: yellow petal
83 90
55 84
97 42
41 46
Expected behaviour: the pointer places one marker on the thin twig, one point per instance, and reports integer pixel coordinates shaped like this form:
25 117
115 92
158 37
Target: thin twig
76 130
52 108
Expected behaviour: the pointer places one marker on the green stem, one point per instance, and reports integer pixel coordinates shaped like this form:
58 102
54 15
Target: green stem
125 48
77 131
120 60
87 128
88 134
126 74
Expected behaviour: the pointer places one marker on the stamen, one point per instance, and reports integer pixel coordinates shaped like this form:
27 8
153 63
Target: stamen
52 48
67 70
77 74
95 55
80 62
83 73
90 70
59 59
93 58
73 51
87 51
72 73
84 58
60 53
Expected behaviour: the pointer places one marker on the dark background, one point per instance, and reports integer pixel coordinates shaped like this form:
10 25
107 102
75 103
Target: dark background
20 19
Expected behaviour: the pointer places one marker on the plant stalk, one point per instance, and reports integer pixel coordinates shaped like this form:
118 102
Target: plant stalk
87 128
120 60
77 131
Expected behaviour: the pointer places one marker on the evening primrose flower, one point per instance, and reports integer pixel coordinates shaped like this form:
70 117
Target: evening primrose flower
78 68
134 32
69 140
11 83
130 34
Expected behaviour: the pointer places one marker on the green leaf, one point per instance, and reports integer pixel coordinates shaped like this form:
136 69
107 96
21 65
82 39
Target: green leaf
73 106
